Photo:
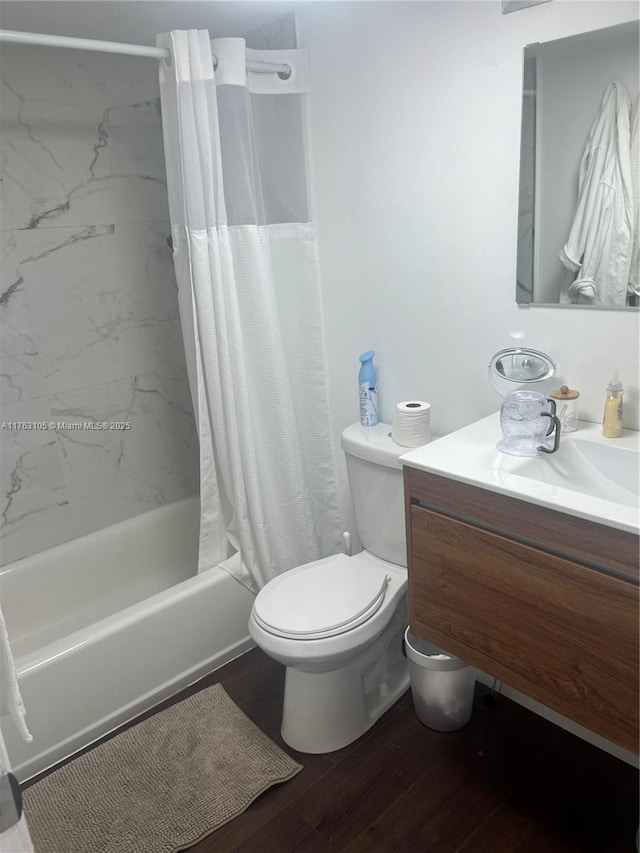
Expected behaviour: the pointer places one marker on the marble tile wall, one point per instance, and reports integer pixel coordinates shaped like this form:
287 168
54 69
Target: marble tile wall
89 325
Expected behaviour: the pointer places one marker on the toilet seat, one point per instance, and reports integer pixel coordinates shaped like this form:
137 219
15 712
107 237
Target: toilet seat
323 599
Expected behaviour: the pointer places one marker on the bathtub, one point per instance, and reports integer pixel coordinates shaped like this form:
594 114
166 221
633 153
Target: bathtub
108 625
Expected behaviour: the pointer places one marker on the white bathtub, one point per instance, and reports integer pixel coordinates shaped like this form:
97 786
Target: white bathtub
108 625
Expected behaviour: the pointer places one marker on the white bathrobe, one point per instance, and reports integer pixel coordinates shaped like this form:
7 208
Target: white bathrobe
600 241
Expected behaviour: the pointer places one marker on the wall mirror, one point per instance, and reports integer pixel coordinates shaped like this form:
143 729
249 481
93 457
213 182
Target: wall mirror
574 193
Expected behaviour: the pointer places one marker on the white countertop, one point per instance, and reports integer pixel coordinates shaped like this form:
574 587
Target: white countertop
563 481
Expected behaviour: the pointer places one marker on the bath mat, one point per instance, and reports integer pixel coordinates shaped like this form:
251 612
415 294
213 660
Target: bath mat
159 786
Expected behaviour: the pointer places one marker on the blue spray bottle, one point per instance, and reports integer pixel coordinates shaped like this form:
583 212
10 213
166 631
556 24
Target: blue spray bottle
368 390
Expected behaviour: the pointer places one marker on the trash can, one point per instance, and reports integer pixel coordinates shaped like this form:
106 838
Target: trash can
442 685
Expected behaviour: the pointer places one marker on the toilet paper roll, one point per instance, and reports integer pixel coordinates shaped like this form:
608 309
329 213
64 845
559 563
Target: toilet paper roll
412 423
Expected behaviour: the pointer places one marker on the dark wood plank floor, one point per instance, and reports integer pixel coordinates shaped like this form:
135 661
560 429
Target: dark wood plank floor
509 781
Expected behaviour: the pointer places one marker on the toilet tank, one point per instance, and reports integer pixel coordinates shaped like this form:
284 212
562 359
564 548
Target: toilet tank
377 489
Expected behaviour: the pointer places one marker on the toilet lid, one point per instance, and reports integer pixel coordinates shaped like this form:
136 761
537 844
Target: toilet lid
323 598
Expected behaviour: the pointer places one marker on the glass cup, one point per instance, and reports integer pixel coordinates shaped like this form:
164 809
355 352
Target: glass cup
527 419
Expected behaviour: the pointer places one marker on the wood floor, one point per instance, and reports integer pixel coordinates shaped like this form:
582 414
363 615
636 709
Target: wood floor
509 781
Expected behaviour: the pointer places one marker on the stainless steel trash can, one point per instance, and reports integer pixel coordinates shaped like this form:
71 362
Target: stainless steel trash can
442 685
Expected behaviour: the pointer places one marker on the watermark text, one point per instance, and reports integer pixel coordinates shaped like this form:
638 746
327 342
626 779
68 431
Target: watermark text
54 426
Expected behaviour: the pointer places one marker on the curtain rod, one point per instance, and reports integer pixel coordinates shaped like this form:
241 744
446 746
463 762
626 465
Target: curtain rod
12 36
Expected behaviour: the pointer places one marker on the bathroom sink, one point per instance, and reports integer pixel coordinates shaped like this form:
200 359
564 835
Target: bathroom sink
590 476
602 471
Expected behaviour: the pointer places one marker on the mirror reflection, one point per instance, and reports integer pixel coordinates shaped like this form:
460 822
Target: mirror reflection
579 217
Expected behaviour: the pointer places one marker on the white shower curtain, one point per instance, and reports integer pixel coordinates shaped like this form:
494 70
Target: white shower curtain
246 263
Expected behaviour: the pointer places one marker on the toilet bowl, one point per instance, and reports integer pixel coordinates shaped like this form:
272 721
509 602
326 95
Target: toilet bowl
337 624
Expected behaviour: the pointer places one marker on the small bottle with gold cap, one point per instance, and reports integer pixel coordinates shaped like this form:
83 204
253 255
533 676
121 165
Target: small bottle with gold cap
566 407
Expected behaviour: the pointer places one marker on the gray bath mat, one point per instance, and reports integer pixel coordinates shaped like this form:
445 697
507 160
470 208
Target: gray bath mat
159 786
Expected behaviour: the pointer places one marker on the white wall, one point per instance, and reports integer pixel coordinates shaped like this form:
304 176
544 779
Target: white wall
415 122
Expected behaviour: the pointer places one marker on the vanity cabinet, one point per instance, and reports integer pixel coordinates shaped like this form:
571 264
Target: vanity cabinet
544 601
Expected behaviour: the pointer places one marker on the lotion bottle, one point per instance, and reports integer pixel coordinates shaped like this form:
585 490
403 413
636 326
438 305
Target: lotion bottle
368 390
612 418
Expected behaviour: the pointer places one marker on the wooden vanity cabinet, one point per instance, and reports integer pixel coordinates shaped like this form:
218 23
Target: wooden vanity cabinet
546 602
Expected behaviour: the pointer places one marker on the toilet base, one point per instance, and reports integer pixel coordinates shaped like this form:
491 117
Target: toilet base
325 711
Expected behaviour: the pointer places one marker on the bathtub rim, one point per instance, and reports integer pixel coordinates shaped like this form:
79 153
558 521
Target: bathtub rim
32 760
32 661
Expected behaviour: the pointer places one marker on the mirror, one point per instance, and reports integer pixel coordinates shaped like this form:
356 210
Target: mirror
519 364
572 201
519 367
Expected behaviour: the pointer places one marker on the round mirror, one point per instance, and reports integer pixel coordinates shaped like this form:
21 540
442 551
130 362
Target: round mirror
518 366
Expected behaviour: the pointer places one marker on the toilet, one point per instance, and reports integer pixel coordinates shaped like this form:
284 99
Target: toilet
337 624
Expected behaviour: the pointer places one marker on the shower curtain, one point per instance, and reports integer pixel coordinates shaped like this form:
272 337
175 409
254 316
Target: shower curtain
246 263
